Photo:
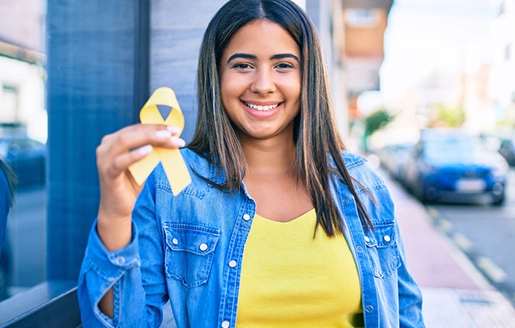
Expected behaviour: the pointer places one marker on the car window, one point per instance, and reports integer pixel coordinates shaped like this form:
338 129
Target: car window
453 146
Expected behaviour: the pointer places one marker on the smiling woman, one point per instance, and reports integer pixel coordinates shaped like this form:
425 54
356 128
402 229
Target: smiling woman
260 81
274 199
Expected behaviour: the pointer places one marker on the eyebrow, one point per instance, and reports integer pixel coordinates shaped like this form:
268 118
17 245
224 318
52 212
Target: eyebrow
249 56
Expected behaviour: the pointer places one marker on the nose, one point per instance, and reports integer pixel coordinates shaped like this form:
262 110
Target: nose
263 82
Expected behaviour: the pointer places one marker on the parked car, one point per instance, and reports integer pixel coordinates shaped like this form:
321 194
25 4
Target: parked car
449 165
393 159
507 150
27 159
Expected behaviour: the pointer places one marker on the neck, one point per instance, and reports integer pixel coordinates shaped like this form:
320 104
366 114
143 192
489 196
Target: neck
269 157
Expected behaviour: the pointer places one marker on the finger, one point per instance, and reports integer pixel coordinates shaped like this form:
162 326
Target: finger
136 136
122 162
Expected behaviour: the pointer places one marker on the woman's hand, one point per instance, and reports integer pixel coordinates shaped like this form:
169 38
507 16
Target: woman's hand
118 189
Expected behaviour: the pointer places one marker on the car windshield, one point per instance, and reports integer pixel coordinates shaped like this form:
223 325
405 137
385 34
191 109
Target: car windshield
452 146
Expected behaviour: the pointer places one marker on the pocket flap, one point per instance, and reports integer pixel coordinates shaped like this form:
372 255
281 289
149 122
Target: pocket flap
192 239
383 236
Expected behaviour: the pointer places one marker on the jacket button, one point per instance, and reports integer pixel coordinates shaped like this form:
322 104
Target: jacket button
246 217
203 247
232 264
175 241
369 308
367 239
226 324
387 238
359 249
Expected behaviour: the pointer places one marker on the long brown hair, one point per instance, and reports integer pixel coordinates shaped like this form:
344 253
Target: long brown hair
318 144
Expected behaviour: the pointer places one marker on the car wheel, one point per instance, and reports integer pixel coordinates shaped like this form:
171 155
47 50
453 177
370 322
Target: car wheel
498 200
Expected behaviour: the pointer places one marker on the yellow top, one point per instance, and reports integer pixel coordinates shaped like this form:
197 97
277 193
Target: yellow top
289 279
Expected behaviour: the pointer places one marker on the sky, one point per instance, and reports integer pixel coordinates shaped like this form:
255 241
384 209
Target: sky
425 36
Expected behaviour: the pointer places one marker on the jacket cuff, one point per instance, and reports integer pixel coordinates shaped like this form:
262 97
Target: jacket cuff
107 264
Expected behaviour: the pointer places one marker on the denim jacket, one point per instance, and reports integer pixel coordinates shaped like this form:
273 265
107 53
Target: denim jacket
188 249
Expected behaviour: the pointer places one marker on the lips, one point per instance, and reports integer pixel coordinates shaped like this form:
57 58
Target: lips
262 108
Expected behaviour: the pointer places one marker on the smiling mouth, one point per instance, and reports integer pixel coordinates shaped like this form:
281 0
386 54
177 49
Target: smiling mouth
261 108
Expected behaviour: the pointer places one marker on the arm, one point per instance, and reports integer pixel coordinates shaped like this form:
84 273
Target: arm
104 271
136 283
410 296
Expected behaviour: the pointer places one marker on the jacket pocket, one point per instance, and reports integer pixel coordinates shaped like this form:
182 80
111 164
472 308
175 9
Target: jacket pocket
189 252
382 248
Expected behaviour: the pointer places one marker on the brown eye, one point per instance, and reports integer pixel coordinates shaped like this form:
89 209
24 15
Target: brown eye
241 66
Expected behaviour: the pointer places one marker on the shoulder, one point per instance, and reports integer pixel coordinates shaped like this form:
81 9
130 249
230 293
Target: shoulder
352 159
362 172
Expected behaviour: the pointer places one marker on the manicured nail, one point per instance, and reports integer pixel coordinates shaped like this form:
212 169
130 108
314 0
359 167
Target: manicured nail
163 134
178 141
145 150
173 129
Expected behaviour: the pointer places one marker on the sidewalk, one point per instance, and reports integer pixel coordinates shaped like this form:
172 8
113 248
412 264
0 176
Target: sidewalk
455 293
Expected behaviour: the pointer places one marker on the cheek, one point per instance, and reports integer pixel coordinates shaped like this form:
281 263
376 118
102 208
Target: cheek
291 86
230 87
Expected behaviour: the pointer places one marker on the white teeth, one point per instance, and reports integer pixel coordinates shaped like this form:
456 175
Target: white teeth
261 108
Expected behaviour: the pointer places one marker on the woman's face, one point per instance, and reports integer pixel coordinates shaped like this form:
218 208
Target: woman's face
260 74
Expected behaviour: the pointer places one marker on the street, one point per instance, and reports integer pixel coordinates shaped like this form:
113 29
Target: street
485 234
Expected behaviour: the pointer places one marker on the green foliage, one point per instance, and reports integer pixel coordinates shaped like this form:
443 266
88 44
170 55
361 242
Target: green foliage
452 117
374 122
377 120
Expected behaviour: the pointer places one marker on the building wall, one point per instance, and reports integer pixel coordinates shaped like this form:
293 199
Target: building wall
326 16
502 78
364 36
91 91
22 23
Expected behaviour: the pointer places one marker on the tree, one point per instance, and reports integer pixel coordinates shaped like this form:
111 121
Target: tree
451 117
374 122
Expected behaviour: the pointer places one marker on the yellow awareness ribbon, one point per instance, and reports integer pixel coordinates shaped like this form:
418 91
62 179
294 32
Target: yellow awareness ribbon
171 159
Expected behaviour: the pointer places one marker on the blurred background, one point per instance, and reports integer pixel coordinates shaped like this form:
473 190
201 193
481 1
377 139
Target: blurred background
425 89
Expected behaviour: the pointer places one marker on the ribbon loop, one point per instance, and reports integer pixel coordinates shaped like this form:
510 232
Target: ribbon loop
171 159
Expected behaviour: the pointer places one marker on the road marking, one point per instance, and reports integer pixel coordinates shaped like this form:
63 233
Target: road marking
491 269
445 225
433 212
463 242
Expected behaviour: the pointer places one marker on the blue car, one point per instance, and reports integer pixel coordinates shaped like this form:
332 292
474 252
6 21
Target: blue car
452 166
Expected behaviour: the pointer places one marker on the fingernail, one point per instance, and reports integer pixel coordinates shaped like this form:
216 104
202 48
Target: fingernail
145 150
178 141
163 134
173 129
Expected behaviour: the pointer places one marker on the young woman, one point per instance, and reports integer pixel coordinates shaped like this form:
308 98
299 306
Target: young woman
280 227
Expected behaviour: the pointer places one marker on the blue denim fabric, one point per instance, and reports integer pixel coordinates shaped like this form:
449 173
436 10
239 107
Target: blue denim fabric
188 249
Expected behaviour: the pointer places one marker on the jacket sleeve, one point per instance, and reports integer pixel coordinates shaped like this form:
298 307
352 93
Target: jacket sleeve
410 296
138 282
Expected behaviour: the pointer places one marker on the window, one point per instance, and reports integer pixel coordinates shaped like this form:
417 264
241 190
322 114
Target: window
9 103
361 17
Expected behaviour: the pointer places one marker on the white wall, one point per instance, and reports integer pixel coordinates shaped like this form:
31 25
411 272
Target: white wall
29 80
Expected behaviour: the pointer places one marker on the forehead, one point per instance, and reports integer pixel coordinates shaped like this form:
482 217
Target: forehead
261 36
